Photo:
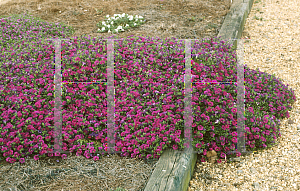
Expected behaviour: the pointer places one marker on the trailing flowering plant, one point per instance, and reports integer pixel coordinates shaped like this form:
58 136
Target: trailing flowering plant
149 105
119 23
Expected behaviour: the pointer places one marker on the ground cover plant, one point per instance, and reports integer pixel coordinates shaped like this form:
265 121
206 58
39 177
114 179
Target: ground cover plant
150 117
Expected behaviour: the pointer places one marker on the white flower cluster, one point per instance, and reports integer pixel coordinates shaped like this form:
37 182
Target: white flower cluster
120 22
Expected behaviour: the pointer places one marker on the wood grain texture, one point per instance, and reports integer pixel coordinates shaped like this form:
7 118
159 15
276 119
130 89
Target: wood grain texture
173 171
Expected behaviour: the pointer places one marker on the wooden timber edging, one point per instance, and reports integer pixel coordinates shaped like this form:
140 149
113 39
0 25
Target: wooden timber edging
174 170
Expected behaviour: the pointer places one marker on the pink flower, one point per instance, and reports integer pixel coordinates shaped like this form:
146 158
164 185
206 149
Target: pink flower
20 147
12 160
87 156
234 133
175 147
234 140
223 155
148 156
136 151
64 156
133 155
207 118
204 152
36 157
57 153
78 153
38 105
22 160
200 127
198 145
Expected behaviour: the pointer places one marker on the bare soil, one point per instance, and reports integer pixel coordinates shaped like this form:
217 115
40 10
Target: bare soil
182 19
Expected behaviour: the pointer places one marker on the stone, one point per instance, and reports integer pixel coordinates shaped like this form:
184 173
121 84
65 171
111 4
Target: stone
255 185
290 121
212 156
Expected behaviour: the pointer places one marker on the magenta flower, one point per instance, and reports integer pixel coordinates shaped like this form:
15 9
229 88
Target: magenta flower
200 127
234 140
175 147
36 157
64 156
57 153
22 160
233 110
207 118
198 145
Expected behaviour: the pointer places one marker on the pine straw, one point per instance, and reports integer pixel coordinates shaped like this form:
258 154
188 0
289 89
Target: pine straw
76 173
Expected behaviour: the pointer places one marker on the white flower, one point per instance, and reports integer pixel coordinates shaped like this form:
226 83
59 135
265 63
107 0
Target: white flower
98 29
116 15
130 17
140 17
119 27
103 28
123 15
103 23
109 31
126 25
108 26
136 19
107 16
134 24
116 30
112 23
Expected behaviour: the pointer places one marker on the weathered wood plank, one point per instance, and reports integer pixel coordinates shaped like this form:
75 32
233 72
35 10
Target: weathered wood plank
173 171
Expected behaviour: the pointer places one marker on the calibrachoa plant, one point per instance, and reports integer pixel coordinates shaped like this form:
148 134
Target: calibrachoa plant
149 95
119 23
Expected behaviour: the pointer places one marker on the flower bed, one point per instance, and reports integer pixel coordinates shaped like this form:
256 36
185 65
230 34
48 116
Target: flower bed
160 126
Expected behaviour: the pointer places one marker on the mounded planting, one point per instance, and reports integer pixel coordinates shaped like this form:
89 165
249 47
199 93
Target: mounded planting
149 95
